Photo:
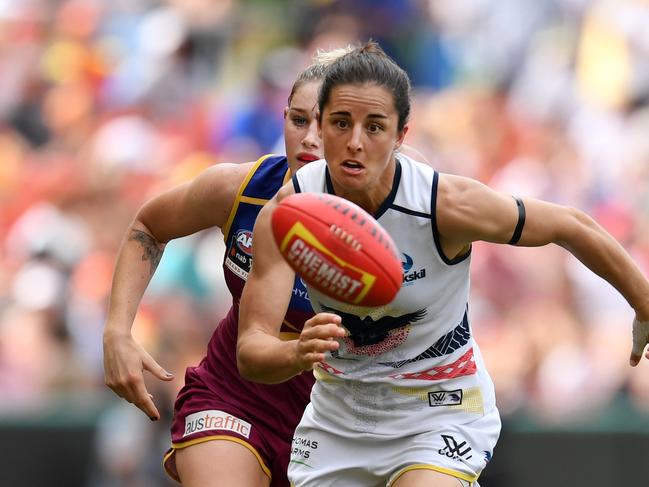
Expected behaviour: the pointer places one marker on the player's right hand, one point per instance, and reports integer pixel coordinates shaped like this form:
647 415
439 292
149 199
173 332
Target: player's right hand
124 363
318 337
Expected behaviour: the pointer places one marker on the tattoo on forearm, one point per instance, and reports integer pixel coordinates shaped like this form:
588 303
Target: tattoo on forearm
152 251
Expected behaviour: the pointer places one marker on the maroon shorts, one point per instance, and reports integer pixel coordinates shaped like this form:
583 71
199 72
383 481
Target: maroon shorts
202 414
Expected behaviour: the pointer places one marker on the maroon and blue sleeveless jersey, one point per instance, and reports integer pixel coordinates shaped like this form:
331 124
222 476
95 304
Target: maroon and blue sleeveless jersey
264 180
278 406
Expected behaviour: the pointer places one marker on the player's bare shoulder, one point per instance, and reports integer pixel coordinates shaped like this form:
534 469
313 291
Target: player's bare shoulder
457 211
454 189
226 177
454 196
218 186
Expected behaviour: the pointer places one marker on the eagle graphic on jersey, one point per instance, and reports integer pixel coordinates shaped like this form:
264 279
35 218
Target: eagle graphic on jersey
447 344
367 331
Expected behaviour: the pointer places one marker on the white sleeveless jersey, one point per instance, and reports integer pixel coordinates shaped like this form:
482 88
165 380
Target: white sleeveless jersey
412 365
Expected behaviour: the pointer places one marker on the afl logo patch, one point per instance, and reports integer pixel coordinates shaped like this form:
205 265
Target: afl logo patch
243 240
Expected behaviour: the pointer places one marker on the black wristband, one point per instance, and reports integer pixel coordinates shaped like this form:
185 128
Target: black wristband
518 231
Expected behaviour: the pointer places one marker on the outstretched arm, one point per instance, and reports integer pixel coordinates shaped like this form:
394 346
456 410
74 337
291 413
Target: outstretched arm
261 355
203 203
469 211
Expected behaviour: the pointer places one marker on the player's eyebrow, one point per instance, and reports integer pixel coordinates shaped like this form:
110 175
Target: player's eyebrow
345 113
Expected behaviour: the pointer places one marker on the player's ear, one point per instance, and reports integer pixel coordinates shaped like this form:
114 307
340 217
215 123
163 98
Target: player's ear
401 136
285 112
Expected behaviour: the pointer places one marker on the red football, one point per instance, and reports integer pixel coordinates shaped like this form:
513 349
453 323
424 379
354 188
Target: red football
338 248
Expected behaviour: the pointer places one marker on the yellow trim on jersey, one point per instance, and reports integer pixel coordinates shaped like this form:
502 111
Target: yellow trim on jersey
418 392
286 336
323 376
253 201
226 228
286 322
185 444
426 466
287 176
472 401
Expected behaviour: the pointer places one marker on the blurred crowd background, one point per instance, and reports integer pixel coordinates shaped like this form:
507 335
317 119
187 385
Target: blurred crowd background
104 104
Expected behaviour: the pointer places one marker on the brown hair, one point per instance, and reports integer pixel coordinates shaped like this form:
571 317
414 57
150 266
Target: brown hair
369 64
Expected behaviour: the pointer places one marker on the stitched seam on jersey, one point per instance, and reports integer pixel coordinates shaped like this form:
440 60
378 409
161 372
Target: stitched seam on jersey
242 187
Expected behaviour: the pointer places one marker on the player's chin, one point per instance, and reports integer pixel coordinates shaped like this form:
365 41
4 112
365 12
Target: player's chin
354 184
303 162
354 178
300 164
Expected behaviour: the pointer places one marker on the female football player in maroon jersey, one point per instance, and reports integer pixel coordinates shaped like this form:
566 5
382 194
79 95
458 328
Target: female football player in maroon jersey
226 431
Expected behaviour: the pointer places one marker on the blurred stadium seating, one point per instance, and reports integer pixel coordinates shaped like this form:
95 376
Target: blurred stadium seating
104 104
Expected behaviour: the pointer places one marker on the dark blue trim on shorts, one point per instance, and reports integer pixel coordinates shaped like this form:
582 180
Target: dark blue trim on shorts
433 218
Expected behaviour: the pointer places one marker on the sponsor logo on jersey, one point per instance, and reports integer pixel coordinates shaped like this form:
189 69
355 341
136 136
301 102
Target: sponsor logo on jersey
301 293
239 255
214 419
243 239
455 450
410 275
303 447
445 398
299 289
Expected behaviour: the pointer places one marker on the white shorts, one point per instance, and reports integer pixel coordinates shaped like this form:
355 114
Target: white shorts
323 458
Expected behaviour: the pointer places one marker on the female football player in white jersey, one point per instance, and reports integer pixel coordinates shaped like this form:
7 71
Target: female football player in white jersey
412 405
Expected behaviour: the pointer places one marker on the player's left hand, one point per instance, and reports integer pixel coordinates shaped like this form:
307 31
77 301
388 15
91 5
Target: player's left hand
640 341
317 337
